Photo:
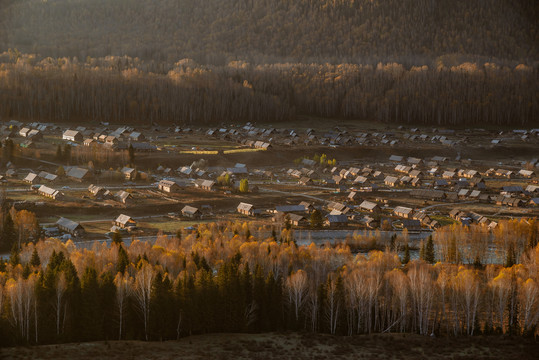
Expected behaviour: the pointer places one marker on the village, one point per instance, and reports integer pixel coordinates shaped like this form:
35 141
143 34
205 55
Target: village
86 183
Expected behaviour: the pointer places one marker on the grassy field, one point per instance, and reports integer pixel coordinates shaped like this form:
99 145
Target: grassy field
443 220
291 346
236 151
170 225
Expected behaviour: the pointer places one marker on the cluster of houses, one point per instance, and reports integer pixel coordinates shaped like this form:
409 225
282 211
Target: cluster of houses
429 180
118 139
260 137
338 215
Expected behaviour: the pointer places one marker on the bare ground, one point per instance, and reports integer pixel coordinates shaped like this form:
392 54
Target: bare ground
290 346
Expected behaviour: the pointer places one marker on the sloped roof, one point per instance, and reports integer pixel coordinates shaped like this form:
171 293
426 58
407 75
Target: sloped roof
30 177
122 195
68 224
290 208
402 210
245 207
337 218
47 190
71 133
127 170
123 219
189 209
77 173
167 183
369 205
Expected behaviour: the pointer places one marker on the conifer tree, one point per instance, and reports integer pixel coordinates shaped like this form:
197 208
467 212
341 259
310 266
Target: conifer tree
316 219
429 251
406 258
123 260
90 315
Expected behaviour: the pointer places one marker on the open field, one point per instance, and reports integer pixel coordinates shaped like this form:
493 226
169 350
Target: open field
289 346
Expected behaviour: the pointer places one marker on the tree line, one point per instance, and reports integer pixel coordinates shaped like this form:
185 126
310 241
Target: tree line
223 278
127 90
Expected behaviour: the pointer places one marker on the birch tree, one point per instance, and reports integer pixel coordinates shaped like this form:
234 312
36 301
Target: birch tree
142 288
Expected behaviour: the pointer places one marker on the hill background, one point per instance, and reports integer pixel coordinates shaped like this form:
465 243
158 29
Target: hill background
269 31
429 62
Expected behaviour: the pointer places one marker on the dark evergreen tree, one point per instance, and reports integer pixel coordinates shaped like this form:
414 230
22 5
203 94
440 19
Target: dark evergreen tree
123 260
317 220
90 314
429 251
15 258
67 153
107 301
8 236
35 261
131 152
117 238
59 155
510 258
406 258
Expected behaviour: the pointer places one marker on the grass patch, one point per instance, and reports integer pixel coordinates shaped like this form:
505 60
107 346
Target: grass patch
200 152
235 151
170 225
443 220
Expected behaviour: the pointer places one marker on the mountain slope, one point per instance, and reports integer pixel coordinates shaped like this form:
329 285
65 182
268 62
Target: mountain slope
218 31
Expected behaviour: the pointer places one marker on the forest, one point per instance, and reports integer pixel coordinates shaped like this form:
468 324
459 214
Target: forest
222 278
129 90
411 32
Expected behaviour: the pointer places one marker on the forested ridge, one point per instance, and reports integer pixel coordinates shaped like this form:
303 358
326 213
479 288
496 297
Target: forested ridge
222 278
443 63
129 90
264 31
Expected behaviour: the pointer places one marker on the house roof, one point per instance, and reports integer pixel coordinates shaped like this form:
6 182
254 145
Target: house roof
369 205
68 224
337 218
512 188
295 217
95 188
47 190
71 133
245 207
426 193
402 210
30 177
127 170
77 173
167 183
122 195
189 209
206 183
47 176
290 208
124 219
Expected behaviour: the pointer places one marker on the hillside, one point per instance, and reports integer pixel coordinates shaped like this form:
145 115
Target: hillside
288 346
217 31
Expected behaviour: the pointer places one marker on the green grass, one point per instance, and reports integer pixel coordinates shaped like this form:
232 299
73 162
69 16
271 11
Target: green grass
199 152
170 225
443 220
27 196
242 150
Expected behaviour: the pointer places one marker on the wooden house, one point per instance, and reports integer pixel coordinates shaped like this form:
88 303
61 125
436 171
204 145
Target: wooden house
125 222
71 227
168 186
191 212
